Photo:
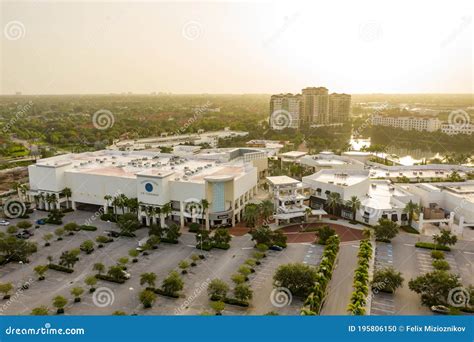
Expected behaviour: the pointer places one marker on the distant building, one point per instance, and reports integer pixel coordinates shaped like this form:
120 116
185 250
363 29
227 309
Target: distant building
408 123
285 111
457 129
313 107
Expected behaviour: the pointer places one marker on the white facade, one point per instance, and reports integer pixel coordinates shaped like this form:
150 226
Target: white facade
154 179
457 129
379 198
407 123
328 160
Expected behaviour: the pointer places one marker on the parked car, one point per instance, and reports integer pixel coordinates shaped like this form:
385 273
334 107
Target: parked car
440 309
276 248
4 223
112 233
40 222
24 234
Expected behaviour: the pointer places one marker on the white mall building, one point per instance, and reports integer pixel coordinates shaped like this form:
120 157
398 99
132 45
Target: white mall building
227 179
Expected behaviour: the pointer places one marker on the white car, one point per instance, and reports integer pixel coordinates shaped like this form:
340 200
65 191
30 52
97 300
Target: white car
4 223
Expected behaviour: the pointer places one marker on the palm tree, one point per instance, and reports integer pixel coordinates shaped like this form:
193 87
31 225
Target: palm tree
68 193
115 204
204 206
107 199
307 212
251 213
166 209
266 209
354 204
132 205
333 201
411 209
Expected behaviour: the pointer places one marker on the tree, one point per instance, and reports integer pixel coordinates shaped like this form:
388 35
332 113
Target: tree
298 278
59 233
218 307
24 224
47 237
77 292
434 286
40 311
387 280
99 267
5 288
87 246
243 292
221 237
385 229
67 193
14 249
172 232
238 278
40 271
203 239
148 278
323 233
172 284
445 238
251 214
244 270
354 203
12 230
262 235
183 265
59 302
71 227
217 289
91 281
334 201
205 207
116 272
128 224
133 253
123 261
266 209
68 259
147 298
411 209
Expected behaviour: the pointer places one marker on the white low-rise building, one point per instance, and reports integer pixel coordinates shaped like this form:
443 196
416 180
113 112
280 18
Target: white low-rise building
453 129
428 124
378 198
156 180
328 160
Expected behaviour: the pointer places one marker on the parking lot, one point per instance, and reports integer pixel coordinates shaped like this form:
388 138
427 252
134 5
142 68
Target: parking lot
194 300
382 303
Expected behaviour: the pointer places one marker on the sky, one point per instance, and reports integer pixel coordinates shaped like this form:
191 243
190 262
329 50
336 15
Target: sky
364 46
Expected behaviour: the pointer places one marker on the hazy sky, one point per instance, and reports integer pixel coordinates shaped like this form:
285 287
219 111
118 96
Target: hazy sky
390 46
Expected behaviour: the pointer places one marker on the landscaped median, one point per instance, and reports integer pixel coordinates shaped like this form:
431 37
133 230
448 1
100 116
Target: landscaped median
315 300
358 301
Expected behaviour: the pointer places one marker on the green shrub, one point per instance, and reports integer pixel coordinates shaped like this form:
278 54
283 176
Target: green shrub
60 268
437 255
109 278
429 245
441 265
88 228
194 227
